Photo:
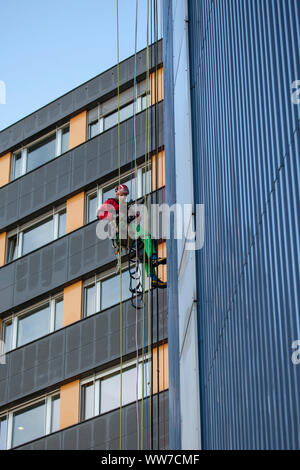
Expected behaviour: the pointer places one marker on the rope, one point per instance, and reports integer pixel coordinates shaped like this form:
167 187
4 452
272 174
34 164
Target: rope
146 201
120 247
137 279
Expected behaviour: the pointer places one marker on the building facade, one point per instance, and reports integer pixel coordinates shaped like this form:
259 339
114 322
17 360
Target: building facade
68 343
231 78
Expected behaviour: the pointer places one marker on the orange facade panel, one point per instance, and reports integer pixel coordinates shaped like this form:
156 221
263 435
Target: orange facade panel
78 129
69 404
5 163
75 212
158 176
2 248
157 86
72 303
162 253
163 370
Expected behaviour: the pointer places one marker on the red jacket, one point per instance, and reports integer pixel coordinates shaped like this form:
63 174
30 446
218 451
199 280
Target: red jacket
106 212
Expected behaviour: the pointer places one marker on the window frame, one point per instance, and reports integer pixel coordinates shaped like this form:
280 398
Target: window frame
105 374
19 231
15 317
97 280
9 415
101 116
24 150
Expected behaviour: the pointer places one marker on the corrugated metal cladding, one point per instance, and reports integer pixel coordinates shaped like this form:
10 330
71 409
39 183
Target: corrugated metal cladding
244 58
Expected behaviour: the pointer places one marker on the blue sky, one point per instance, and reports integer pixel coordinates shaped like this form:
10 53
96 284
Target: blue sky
49 47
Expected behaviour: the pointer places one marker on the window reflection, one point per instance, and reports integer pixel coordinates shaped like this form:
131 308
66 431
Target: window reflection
41 152
59 304
65 140
34 325
61 223
88 401
55 407
29 424
12 248
110 290
3 433
8 336
38 236
90 300
92 207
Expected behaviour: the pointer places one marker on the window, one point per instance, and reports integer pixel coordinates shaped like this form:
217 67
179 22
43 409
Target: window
101 394
33 235
33 323
139 185
105 115
40 152
104 293
29 422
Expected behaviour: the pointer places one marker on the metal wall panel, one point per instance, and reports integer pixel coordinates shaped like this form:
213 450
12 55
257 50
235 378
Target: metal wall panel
103 432
95 160
87 345
62 261
244 59
172 265
99 88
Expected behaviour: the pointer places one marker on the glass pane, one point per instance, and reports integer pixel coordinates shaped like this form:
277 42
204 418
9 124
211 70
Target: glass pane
28 424
59 304
94 129
110 290
17 168
126 112
90 300
12 249
8 336
65 140
62 223
110 389
111 120
88 391
41 153
110 393
34 325
37 236
55 407
145 101
3 431
147 182
92 207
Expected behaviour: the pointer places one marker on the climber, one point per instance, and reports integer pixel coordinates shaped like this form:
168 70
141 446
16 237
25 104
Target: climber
110 211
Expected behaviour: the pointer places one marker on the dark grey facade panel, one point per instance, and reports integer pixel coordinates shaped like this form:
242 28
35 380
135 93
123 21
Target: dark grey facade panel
87 345
246 148
51 267
94 160
103 432
98 88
